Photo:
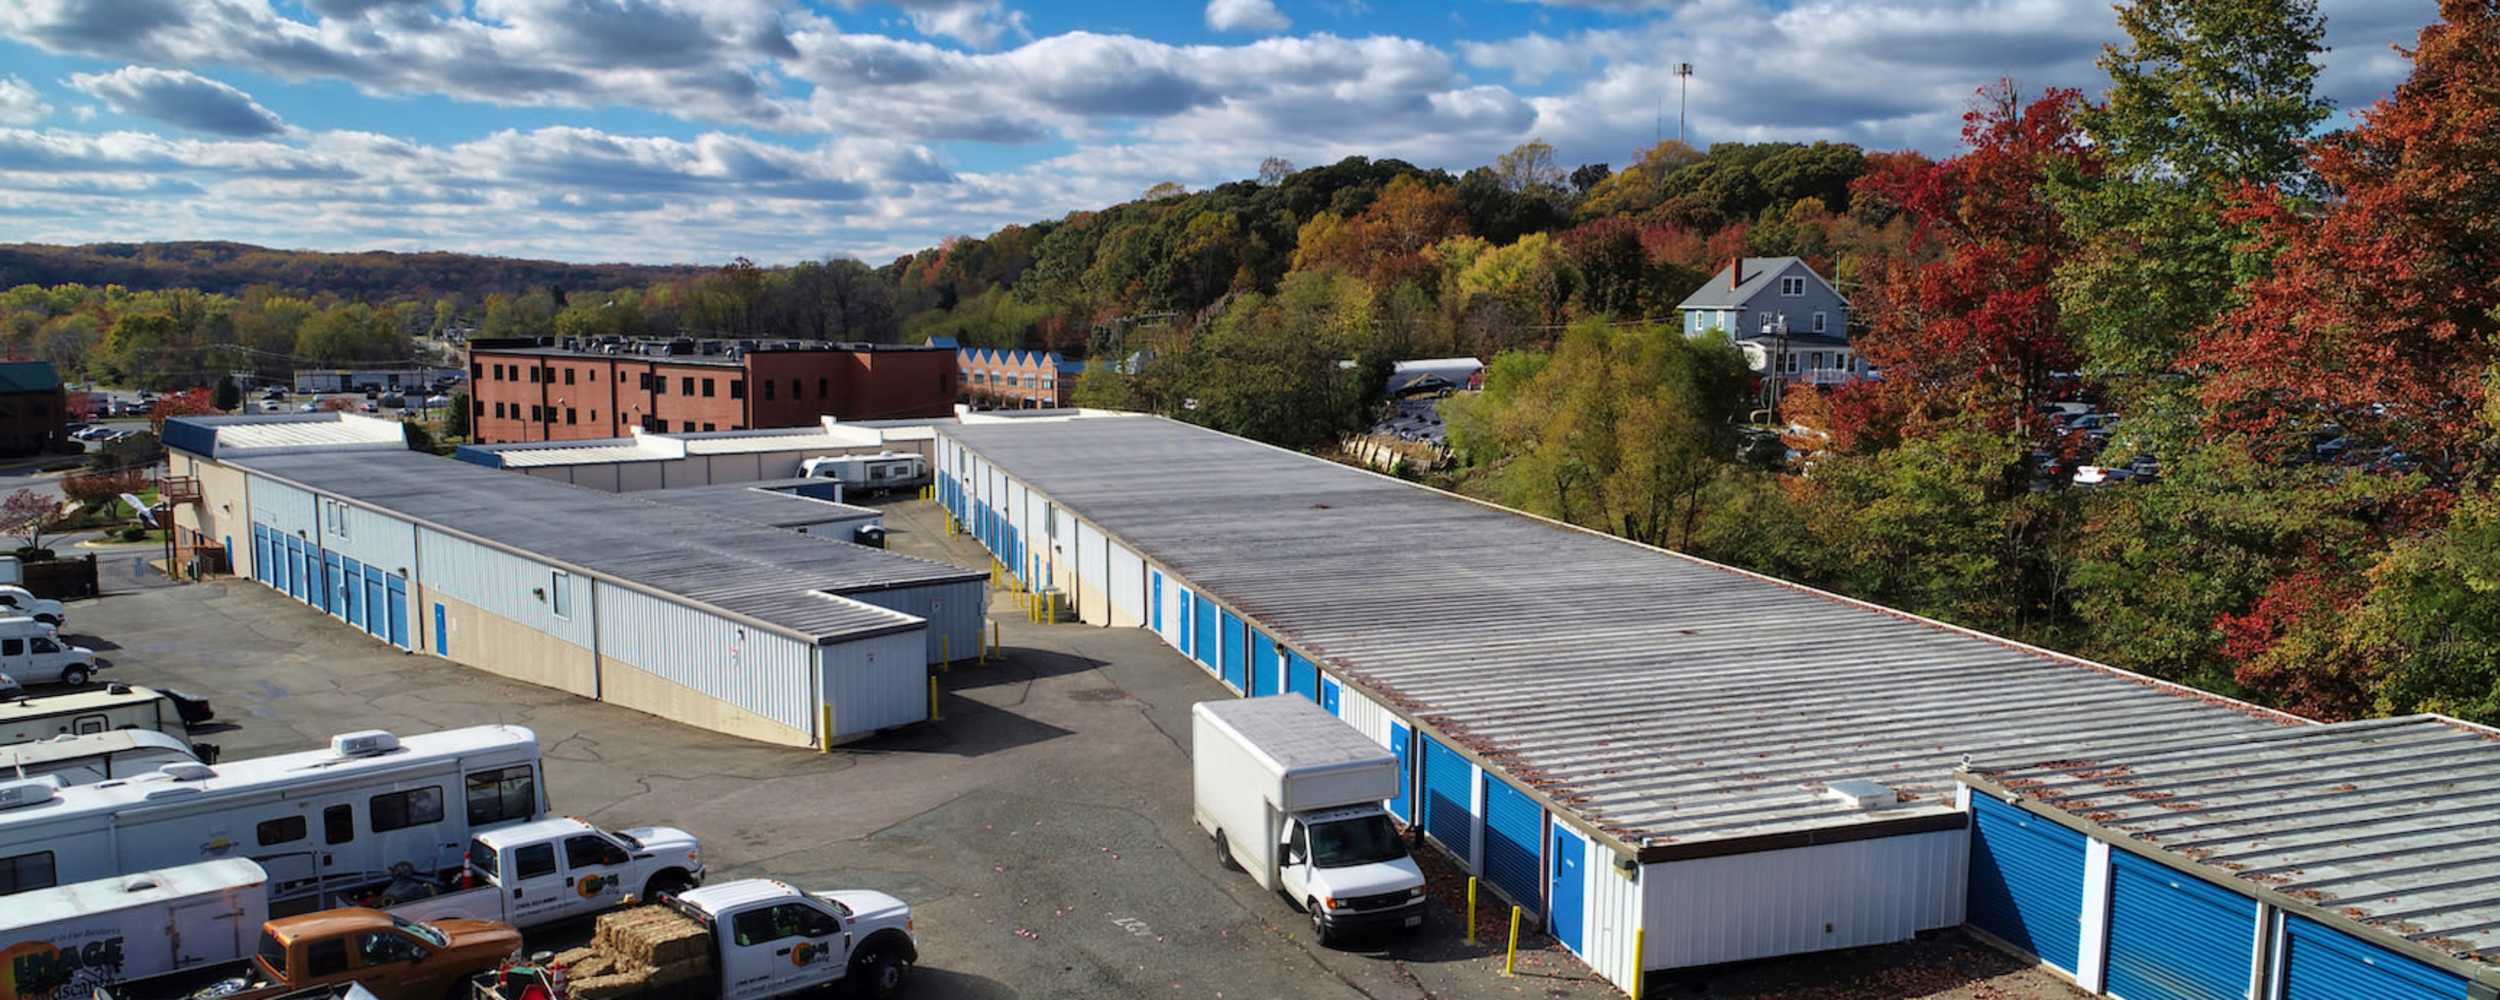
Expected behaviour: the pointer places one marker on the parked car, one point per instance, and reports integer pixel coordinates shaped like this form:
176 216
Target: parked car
437 400
307 408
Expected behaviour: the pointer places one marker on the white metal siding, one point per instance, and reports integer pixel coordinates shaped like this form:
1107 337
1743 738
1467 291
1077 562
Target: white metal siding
763 672
283 508
1768 903
957 613
876 682
1614 917
504 585
1365 715
1093 574
1128 587
638 476
374 538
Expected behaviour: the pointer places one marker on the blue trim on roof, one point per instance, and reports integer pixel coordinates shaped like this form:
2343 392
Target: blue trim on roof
475 455
184 434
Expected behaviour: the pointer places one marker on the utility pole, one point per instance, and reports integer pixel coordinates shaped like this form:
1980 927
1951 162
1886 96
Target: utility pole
1684 83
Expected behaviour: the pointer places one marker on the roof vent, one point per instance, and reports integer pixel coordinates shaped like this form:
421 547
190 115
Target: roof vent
186 770
1859 793
29 792
369 743
141 884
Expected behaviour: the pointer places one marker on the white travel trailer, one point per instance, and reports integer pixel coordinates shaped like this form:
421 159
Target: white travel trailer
71 941
93 757
92 711
323 823
864 475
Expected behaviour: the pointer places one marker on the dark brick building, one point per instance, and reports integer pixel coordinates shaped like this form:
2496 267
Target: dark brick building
526 391
34 408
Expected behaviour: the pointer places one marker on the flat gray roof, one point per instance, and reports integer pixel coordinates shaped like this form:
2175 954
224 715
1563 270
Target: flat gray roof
1658 697
769 575
2390 823
770 503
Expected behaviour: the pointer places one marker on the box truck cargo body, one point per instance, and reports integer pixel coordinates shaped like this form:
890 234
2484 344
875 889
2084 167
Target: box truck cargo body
1293 795
66 942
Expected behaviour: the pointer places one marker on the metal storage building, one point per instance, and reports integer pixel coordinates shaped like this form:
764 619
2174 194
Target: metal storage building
803 505
2353 860
751 630
1677 763
652 460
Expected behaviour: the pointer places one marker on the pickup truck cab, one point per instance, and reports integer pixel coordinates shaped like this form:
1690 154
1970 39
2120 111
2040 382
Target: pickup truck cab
395 958
538 873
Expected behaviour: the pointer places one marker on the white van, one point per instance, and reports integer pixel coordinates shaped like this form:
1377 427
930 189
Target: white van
84 759
33 652
117 707
16 600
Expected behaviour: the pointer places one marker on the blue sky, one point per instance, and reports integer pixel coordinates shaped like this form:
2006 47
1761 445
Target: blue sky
698 130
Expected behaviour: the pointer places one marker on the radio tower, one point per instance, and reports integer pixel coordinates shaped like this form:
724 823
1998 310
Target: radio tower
1684 83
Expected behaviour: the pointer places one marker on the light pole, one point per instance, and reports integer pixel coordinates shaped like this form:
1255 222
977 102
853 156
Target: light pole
1684 93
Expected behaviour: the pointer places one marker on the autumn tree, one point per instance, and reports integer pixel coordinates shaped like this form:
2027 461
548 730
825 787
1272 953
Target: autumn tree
187 403
30 517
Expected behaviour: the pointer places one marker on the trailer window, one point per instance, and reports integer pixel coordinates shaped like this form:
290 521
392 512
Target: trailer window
26 873
12 647
284 830
533 861
401 810
338 825
502 794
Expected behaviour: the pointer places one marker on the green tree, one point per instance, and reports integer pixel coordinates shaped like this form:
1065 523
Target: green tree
456 417
229 395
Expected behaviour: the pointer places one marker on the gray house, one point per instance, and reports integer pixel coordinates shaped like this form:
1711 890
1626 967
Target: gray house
1753 297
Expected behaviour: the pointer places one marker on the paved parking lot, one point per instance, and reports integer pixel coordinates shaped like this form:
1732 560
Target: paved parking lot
1040 829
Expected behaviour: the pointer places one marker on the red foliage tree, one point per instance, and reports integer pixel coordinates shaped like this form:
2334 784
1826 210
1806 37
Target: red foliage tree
2378 311
2287 650
1977 325
187 403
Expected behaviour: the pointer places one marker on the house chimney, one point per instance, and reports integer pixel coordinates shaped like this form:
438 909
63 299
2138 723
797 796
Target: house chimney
1735 273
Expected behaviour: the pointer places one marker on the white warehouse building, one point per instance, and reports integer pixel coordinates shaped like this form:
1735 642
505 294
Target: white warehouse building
1672 762
688 612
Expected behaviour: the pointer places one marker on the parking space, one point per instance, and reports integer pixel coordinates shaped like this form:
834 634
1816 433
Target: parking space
1040 829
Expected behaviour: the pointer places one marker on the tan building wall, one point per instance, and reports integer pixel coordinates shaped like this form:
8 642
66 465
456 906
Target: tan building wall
630 687
224 510
498 645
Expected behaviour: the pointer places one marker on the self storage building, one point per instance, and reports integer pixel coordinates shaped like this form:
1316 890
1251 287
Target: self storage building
1671 762
2354 861
752 630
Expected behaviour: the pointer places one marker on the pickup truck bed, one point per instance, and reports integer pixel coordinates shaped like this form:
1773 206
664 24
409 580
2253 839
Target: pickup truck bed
647 951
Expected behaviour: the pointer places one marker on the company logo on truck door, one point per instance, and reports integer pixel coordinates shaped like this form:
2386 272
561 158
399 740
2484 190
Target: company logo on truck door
43 970
805 952
592 885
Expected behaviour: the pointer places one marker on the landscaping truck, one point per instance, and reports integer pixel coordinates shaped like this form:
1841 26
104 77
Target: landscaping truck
1293 795
743 940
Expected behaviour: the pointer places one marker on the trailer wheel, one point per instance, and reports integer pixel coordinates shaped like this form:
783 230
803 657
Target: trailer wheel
1224 853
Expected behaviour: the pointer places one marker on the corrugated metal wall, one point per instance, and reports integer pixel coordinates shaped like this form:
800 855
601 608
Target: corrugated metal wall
958 614
1614 916
1093 570
876 682
285 509
763 672
374 538
1127 586
1364 714
502 584
1768 903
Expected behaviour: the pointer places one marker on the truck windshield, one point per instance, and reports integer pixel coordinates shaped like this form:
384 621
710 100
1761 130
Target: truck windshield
272 952
1367 840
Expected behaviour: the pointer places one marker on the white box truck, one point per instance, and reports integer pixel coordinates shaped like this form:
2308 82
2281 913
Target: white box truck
1293 795
66 942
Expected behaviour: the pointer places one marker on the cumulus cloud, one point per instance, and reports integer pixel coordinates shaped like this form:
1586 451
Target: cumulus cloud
19 104
180 98
1246 15
978 23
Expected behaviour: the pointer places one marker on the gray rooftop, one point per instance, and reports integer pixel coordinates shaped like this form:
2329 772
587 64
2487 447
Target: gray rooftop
1655 695
2392 823
1293 732
1759 273
773 577
774 503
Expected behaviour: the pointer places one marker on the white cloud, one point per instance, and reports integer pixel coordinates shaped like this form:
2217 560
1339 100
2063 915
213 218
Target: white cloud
978 23
19 104
1246 15
180 98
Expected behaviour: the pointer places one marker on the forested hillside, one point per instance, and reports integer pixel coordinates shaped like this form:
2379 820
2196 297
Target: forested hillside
230 268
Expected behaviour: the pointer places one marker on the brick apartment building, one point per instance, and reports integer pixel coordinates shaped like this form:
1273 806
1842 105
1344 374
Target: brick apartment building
1013 379
523 390
34 407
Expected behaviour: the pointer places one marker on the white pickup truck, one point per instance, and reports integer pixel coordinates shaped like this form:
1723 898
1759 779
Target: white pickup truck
765 939
541 872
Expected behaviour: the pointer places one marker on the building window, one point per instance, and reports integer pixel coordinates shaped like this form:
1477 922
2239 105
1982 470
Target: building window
1792 287
685 385
560 594
1818 361
533 374
401 810
534 413
499 409
594 374
477 372
707 425
795 391
1818 322
822 388
594 416
768 388
962 377
737 388
707 388
568 376
479 405
568 417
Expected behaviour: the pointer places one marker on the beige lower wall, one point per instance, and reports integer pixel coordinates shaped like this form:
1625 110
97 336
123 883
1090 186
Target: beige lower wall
631 687
221 488
498 645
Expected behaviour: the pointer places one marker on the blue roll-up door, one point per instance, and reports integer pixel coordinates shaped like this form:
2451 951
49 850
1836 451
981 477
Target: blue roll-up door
1400 739
352 603
1232 656
1514 825
378 623
1331 697
2322 963
1449 784
2026 881
1154 601
260 553
295 568
1570 886
336 566
2174 936
1202 643
399 611
1267 672
1181 605
1301 677
442 637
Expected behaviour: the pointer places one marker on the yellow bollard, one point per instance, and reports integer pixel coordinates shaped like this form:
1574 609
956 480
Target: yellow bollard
1471 909
1640 950
1510 962
827 745
993 641
933 709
